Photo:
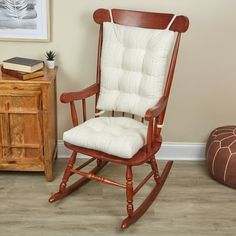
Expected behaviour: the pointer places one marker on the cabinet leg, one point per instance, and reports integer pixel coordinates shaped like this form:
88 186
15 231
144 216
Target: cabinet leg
48 172
48 165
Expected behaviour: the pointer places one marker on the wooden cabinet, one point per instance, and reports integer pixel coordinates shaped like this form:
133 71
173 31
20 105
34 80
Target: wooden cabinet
28 123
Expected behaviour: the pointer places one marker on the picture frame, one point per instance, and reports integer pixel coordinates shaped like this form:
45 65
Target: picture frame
25 20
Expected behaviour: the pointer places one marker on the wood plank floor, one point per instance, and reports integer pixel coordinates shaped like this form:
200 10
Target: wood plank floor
191 203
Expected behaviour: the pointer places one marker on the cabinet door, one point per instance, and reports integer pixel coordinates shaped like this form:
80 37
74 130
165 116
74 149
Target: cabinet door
20 119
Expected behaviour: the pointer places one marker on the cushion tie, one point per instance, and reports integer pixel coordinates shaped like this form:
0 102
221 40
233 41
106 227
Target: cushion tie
169 25
111 17
99 113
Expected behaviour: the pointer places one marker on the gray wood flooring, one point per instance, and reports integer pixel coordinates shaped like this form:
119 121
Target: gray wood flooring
191 203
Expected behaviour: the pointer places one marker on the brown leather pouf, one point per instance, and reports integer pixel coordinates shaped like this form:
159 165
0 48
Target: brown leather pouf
221 155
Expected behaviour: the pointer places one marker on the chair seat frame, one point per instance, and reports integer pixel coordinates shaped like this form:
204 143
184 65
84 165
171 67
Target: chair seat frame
154 116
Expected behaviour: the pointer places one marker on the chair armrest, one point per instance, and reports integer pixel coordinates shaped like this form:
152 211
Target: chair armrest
72 96
157 109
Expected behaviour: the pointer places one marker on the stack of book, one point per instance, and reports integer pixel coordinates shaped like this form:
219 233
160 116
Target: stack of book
23 68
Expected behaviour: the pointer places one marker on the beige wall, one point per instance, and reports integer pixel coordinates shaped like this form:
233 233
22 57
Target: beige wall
203 95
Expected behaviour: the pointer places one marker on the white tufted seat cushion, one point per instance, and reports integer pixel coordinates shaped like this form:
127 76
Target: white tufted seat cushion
133 67
119 136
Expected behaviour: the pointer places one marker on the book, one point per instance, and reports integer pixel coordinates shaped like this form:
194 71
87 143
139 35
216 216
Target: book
23 64
23 75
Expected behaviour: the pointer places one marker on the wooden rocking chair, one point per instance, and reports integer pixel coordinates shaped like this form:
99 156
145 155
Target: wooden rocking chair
133 52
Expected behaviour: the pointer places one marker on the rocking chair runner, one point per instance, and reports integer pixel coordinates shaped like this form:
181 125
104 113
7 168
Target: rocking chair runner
132 54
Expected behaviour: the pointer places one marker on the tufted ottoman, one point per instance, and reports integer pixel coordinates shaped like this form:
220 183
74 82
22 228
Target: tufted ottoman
221 155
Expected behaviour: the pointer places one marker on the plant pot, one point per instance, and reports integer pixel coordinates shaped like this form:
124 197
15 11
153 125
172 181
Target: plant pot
50 64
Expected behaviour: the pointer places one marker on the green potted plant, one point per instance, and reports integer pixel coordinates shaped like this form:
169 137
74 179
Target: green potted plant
50 56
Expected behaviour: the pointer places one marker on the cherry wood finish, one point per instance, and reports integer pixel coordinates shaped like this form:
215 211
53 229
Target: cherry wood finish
154 116
63 192
141 157
98 178
149 200
129 190
142 19
28 123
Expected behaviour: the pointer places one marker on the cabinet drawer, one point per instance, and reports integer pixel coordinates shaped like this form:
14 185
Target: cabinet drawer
14 101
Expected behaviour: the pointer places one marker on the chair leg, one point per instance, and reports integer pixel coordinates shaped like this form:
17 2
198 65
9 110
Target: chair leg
155 171
99 162
67 172
129 191
63 189
148 200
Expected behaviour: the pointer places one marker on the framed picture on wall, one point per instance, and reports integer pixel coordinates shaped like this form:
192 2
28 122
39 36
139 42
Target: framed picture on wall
24 20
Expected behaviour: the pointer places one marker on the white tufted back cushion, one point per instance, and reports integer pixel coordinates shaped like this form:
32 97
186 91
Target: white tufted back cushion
133 67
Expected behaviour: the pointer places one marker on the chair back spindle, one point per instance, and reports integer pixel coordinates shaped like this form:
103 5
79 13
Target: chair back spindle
74 116
84 109
98 77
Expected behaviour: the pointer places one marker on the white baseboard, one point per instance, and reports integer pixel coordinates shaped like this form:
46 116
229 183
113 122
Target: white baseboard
63 152
182 151
168 151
